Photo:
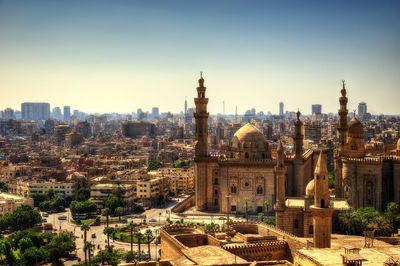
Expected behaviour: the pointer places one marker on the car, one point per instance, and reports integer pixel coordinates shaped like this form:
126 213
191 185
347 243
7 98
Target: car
44 220
152 220
93 235
94 224
62 217
222 218
45 214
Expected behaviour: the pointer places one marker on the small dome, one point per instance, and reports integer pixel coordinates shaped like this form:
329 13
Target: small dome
310 189
248 136
356 129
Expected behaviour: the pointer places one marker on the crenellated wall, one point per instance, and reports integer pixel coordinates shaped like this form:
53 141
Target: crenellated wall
270 250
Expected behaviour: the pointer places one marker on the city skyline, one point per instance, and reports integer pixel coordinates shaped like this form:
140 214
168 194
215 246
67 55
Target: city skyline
150 54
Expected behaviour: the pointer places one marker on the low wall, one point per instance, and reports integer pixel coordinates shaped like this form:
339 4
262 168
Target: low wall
389 240
184 205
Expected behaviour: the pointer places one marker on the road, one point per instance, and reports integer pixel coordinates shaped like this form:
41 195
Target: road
158 215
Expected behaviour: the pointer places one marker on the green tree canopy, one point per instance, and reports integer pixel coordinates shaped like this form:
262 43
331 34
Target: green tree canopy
113 202
154 165
83 194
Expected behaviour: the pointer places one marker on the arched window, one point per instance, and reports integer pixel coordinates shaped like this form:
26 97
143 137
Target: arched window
322 203
215 181
246 155
259 190
233 189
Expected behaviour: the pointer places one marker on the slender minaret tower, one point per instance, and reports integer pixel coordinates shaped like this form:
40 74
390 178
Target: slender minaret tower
342 125
321 210
201 116
280 171
298 137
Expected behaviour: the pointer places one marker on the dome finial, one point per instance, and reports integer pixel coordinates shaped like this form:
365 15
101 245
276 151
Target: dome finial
343 91
201 79
298 114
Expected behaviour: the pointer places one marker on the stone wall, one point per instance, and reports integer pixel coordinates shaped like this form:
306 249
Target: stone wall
271 250
184 205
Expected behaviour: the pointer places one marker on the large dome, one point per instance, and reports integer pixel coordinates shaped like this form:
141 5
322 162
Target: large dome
356 129
249 143
248 136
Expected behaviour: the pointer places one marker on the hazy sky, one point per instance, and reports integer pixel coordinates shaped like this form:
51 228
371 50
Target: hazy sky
104 56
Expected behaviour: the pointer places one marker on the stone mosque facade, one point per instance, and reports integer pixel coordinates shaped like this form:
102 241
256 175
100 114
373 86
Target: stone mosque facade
248 170
364 181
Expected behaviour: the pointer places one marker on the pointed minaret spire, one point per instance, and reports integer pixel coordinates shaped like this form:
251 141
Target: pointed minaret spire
201 117
280 170
298 137
342 124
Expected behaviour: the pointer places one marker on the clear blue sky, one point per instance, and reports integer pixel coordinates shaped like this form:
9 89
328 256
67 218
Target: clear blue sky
104 56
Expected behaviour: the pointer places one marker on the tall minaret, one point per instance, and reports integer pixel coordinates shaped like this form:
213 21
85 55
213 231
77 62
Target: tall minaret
201 116
321 210
298 137
342 125
280 171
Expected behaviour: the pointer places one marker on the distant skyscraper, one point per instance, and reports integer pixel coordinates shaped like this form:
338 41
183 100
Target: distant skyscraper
155 112
185 105
316 109
56 113
35 111
281 108
362 109
8 113
67 113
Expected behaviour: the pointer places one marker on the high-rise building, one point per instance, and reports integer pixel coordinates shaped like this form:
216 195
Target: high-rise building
35 111
362 109
155 112
281 108
316 109
56 113
8 113
185 105
67 113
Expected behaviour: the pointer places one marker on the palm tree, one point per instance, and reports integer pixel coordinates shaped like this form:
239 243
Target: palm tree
106 212
119 211
108 231
131 226
260 216
267 204
88 248
246 207
85 227
149 236
139 237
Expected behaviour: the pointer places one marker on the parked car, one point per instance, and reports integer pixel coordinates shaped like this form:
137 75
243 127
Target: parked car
152 220
62 217
94 224
44 220
93 235
45 214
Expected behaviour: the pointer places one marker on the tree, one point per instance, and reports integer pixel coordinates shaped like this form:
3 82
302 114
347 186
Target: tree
171 193
3 187
106 213
119 191
108 231
246 207
24 217
392 214
154 165
82 207
60 247
270 220
88 247
131 226
83 194
267 204
6 249
113 202
131 256
260 216
50 194
149 236
139 237
38 198
85 227
119 211
33 256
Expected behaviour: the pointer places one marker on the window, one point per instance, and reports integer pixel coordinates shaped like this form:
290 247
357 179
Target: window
246 155
215 202
215 181
233 208
259 209
216 192
259 190
246 184
233 189
311 229
296 224
322 203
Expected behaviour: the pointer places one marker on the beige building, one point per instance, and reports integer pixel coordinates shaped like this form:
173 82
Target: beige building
9 202
98 192
27 187
181 179
151 188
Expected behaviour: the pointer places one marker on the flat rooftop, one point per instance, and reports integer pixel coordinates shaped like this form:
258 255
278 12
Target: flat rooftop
212 255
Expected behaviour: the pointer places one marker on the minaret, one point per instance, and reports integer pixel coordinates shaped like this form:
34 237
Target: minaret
342 124
298 137
321 210
280 171
201 116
